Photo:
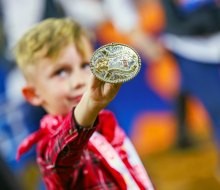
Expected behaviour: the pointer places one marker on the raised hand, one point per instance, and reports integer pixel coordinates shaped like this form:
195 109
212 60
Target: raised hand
96 98
102 93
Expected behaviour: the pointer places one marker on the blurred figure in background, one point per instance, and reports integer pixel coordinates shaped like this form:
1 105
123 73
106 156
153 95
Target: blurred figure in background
193 36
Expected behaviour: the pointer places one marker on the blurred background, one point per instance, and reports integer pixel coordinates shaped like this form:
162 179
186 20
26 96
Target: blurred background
170 110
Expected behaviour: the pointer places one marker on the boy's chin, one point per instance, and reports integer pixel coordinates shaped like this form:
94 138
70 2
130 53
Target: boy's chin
67 111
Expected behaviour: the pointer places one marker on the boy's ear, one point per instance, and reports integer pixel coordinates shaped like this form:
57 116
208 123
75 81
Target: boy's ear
31 96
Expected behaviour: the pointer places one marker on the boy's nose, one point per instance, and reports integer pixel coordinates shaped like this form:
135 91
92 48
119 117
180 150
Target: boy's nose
77 81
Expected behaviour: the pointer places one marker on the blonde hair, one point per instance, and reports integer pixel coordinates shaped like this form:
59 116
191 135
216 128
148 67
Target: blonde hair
47 39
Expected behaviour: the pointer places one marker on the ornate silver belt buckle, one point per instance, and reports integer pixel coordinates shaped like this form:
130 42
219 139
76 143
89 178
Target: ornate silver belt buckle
115 63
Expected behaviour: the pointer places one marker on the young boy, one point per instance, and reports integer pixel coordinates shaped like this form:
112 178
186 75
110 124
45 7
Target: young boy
79 145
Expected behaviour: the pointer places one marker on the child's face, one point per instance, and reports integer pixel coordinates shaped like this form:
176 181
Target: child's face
60 85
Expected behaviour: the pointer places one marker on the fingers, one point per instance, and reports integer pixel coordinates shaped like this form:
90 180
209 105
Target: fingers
95 83
117 86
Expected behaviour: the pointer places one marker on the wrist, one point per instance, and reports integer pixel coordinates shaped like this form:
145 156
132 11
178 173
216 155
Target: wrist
87 111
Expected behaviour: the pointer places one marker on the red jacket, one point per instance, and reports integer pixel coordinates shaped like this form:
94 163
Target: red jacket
98 158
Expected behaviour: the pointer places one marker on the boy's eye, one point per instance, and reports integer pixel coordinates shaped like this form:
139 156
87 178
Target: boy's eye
61 72
85 65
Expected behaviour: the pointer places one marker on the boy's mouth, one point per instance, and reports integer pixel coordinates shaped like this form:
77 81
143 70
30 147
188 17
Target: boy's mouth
76 99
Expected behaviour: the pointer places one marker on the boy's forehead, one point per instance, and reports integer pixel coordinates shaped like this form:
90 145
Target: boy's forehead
82 45
69 51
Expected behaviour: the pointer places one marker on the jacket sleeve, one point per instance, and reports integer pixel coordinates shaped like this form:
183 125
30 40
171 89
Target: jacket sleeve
65 147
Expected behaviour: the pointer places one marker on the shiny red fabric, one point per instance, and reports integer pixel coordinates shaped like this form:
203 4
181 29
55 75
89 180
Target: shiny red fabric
68 160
